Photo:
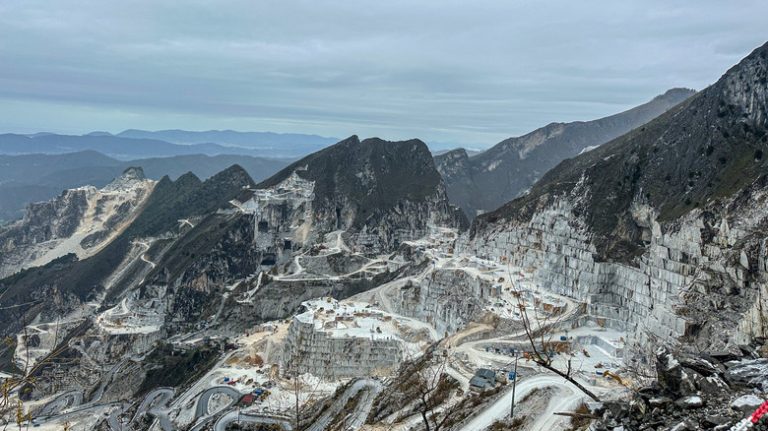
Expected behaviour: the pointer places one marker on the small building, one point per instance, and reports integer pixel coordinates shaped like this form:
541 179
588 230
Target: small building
486 374
479 384
483 380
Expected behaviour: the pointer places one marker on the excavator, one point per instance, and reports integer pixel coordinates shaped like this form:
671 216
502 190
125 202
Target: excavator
614 376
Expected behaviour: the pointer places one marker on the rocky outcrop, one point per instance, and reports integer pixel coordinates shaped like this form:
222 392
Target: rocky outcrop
485 181
448 299
44 221
79 221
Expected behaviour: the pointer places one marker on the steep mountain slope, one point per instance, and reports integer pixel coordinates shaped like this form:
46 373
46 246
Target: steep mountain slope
278 144
62 285
78 221
660 230
493 177
55 172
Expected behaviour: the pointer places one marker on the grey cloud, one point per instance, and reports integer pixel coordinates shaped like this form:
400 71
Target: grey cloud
467 72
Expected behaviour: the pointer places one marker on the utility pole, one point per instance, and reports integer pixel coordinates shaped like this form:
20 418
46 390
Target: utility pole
514 386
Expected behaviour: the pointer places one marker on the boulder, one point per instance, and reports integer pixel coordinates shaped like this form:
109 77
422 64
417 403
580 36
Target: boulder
659 401
746 404
683 426
700 365
690 402
710 385
671 376
751 372
712 421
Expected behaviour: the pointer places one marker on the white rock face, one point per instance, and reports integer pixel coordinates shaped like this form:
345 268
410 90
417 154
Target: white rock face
692 402
339 340
282 212
286 213
448 299
746 402
80 221
648 300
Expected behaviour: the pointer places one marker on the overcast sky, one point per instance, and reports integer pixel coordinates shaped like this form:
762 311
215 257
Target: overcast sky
471 72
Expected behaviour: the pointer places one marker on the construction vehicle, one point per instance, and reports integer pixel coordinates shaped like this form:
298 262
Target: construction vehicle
614 376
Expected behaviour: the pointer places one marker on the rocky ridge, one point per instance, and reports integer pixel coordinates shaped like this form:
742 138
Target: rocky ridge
485 181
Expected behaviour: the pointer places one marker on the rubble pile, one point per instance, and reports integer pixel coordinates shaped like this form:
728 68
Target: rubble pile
693 393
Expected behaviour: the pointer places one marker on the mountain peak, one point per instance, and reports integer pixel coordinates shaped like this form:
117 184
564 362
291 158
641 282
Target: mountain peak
134 173
352 140
676 94
234 175
131 177
187 179
367 180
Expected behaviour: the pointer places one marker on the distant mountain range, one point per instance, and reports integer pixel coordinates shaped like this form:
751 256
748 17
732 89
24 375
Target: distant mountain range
132 144
485 181
283 144
37 177
113 146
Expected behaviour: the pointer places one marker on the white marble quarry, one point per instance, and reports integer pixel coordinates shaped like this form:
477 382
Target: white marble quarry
755 321
288 214
370 241
448 299
645 299
79 221
340 340
282 212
